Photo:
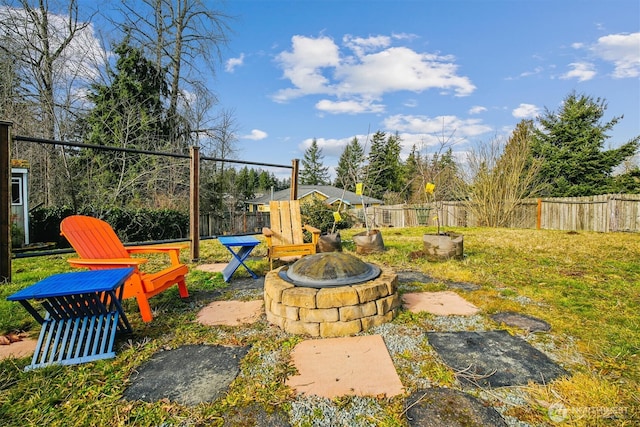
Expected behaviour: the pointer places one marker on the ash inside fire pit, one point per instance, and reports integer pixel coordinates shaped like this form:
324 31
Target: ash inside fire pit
329 269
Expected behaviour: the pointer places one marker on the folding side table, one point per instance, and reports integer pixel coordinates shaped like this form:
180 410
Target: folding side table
84 312
246 245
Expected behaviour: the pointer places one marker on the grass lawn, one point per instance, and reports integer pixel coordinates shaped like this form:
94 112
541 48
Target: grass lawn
585 285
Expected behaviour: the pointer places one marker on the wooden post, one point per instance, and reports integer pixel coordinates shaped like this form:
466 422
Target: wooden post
294 179
5 201
194 192
539 215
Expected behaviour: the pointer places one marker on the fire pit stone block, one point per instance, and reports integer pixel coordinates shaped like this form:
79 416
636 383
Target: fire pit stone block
331 311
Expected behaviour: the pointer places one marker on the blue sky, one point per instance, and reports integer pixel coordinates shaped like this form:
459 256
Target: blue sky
332 70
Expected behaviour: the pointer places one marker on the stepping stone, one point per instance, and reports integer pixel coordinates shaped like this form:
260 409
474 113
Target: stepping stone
493 358
522 321
238 283
18 349
230 313
464 286
409 276
255 415
445 407
188 375
440 303
212 268
354 366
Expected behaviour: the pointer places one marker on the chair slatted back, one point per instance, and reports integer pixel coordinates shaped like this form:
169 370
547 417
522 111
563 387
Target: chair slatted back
92 238
286 222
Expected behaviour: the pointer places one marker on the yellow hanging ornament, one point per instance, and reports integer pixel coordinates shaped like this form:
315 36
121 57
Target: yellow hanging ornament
429 187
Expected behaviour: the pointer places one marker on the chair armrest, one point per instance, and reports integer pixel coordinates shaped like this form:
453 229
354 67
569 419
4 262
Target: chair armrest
311 229
113 262
173 251
155 248
267 232
315 233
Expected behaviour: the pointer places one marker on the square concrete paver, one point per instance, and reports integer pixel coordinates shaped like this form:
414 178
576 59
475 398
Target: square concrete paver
445 303
212 268
334 367
230 313
18 349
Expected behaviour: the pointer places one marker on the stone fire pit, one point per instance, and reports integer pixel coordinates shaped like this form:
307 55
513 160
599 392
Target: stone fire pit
332 308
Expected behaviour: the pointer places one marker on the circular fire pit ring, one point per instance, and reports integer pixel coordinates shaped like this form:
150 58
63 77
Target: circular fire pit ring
332 309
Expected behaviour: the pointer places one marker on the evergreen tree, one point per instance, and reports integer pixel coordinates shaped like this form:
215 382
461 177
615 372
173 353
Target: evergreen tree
313 172
414 181
266 180
384 170
571 144
349 166
374 185
129 112
445 174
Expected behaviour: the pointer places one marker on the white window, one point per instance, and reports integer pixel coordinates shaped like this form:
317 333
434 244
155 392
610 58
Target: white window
16 190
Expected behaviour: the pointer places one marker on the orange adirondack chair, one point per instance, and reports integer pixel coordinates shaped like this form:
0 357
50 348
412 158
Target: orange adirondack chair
285 236
99 248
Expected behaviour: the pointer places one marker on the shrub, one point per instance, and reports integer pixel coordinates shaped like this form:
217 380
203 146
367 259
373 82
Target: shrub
320 215
131 225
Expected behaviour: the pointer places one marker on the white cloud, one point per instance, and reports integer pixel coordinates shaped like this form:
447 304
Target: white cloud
361 45
411 103
582 71
535 71
526 111
623 50
477 109
397 69
436 125
303 66
349 107
231 64
317 66
255 135
331 147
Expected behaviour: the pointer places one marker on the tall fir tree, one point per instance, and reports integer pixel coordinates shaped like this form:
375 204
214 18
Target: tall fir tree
349 166
384 168
313 171
571 143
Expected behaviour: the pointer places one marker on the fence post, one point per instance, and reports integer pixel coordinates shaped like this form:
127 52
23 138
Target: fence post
294 180
539 215
612 224
5 203
194 220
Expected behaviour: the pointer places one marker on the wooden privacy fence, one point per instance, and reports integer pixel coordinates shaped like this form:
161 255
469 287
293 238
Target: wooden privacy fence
604 213
232 223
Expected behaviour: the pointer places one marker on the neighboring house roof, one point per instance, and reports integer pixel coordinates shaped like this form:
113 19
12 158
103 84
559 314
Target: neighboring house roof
333 194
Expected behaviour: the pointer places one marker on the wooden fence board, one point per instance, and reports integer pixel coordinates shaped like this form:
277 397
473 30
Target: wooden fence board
603 213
